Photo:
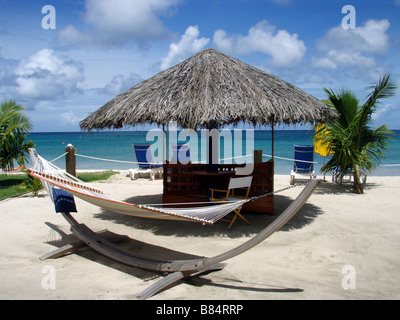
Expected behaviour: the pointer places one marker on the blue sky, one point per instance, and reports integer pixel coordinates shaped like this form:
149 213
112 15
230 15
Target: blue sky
100 48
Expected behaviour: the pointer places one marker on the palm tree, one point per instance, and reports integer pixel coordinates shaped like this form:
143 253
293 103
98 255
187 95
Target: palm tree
14 129
356 146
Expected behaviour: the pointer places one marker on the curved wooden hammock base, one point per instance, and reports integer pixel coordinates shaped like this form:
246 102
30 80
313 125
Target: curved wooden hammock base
179 269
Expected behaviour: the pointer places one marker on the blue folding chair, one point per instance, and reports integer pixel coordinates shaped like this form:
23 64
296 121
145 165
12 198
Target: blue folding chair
146 164
303 168
181 153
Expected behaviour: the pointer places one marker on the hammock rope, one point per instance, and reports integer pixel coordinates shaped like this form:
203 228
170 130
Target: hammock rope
231 158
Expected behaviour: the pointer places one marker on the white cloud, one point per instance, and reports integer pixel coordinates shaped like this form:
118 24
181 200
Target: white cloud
222 41
335 59
46 76
7 78
356 48
324 63
187 45
113 22
284 48
371 37
384 110
120 84
70 35
70 118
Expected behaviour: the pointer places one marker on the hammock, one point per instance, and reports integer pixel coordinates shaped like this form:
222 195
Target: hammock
51 175
177 269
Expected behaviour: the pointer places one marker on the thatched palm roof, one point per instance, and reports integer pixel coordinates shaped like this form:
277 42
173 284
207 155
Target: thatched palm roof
210 89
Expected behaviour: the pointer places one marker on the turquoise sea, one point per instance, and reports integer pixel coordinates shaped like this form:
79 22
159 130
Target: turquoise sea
118 146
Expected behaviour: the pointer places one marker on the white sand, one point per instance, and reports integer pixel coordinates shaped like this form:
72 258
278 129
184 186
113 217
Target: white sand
337 236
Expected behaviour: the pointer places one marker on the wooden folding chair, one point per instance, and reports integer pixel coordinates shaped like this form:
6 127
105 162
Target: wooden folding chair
235 184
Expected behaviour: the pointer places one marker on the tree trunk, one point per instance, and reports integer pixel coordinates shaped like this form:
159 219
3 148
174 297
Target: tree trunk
358 186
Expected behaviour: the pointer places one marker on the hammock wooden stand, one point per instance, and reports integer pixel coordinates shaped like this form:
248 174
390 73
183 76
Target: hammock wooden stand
177 269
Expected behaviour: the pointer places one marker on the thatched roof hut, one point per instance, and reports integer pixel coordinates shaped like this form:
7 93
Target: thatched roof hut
210 89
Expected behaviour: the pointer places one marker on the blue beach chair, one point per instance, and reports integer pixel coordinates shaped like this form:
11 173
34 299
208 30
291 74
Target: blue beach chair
303 168
146 164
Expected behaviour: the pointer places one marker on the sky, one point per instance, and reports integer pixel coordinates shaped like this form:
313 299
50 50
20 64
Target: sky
63 59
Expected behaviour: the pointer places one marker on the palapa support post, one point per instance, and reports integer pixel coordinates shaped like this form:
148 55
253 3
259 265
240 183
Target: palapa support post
70 159
257 156
273 139
212 148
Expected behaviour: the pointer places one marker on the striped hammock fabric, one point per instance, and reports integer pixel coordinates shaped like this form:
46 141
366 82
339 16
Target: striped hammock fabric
56 177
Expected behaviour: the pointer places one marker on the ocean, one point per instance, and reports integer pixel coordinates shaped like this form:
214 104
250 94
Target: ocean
118 146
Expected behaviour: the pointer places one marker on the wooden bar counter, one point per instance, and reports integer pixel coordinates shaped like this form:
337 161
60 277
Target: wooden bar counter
191 183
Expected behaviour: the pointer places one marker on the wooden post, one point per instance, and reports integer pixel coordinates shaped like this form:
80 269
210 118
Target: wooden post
70 159
273 152
257 156
273 140
212 148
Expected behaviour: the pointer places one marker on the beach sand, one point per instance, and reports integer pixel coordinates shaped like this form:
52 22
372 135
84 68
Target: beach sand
339 246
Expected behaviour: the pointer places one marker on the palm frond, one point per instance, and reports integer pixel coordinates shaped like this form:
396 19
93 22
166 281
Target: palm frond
385 88
14 130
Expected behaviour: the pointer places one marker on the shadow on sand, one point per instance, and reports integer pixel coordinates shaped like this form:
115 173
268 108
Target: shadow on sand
189 229
224 280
